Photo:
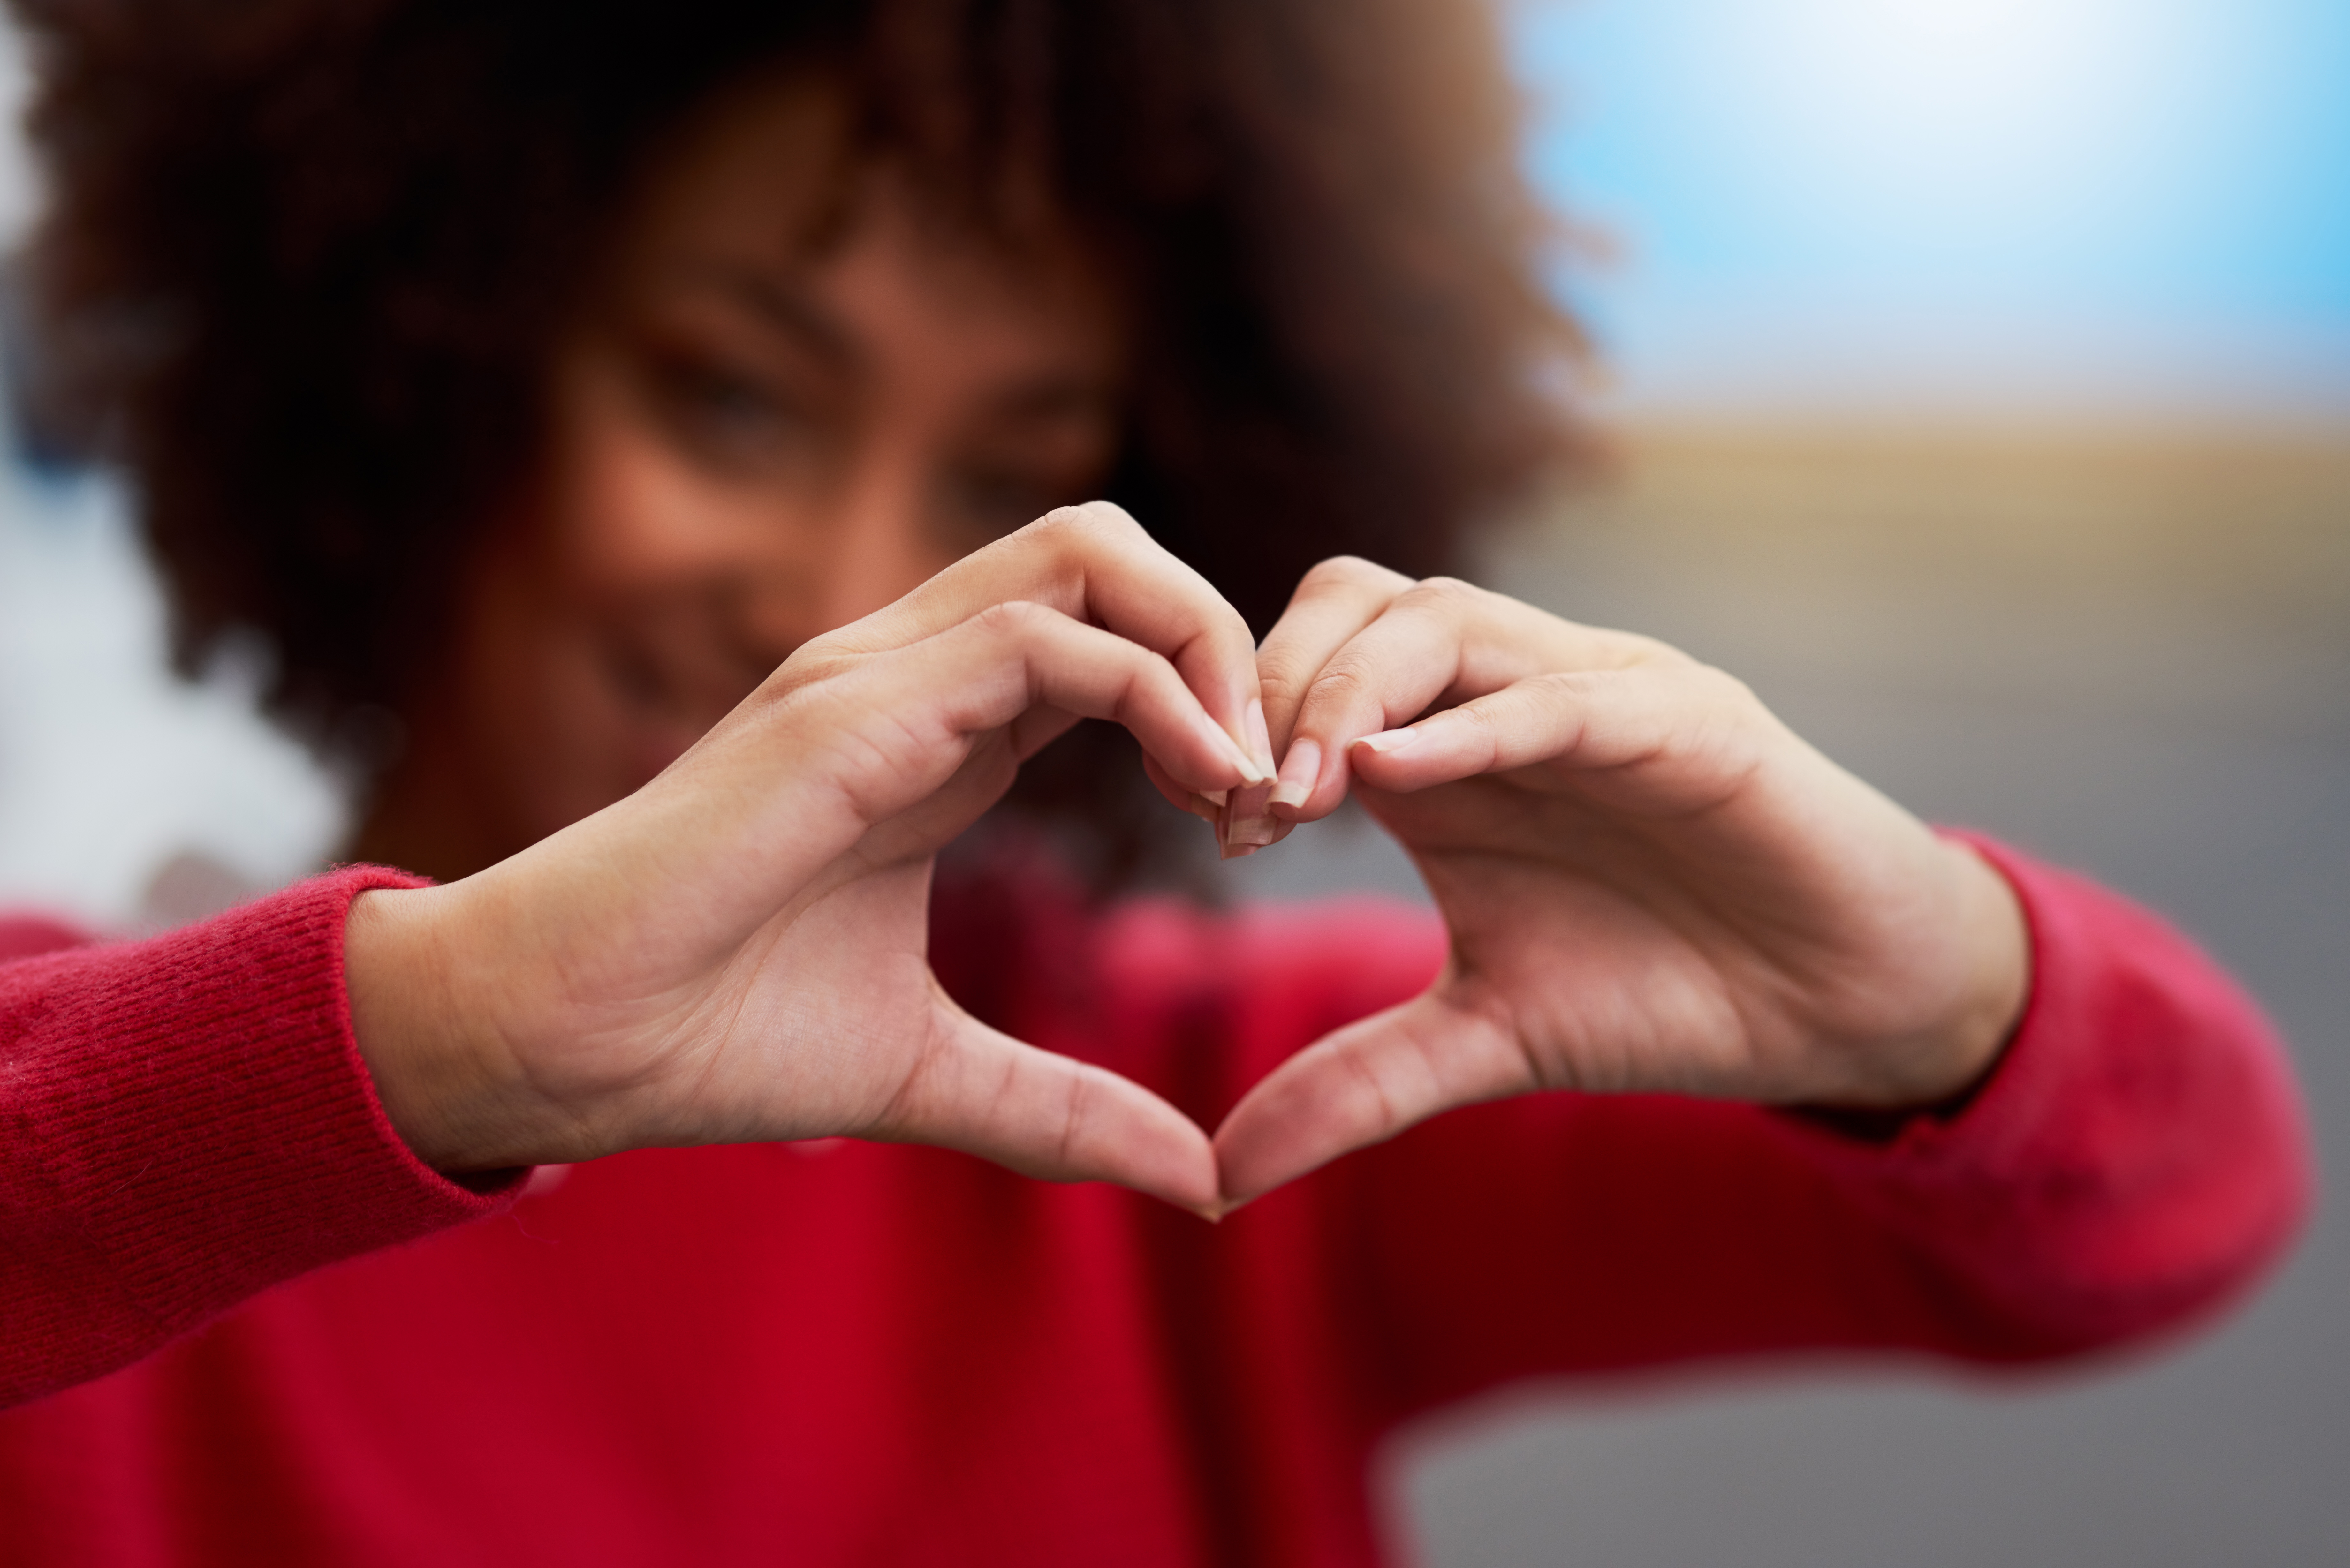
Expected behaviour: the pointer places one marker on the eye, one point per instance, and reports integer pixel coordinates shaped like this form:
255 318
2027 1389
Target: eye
730 416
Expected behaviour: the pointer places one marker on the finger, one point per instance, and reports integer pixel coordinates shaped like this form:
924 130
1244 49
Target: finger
1047 1115
1333 604
908 716
794 777
1674 736
1440 640
1363 1085
1094 564
1386 671
1220 809
1334 601
1246 824
1204 803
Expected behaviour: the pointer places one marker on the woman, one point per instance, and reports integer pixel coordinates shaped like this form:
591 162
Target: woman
635 409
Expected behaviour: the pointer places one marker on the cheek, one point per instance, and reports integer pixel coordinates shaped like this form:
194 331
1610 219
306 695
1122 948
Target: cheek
633 518
628 518
567 700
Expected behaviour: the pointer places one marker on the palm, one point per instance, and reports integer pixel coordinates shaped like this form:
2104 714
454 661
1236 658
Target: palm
726 1022
1650 884
1628 944
817 1025
739 951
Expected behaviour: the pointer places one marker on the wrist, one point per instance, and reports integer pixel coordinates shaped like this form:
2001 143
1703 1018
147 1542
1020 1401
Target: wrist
1939 1064
1953 1060
434 1073
1998 987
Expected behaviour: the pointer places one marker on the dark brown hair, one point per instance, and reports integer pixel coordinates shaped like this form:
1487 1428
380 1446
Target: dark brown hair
304 261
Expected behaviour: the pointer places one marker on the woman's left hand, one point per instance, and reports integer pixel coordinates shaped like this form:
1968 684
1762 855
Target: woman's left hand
1650 883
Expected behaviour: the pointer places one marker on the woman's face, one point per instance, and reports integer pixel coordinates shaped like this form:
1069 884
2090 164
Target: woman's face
754 438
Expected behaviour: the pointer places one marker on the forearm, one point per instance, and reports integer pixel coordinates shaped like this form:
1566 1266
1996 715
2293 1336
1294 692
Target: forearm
2135 1161
187 1122
2138 1157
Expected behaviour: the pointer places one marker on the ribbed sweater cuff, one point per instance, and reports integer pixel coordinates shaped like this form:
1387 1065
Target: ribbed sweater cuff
211 1122
2143 1116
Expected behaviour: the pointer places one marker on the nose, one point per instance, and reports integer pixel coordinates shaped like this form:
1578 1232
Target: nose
876 548
865 545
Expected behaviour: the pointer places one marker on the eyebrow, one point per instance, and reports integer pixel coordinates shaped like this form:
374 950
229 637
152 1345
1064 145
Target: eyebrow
783 308
795 316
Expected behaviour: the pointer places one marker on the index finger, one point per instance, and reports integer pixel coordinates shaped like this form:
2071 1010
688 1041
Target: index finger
1334 602
1439 641
1093 563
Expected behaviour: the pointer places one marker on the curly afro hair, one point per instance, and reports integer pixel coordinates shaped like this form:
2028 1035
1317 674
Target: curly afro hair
306 260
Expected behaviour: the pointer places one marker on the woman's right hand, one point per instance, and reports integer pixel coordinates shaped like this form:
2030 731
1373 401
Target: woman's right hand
738 951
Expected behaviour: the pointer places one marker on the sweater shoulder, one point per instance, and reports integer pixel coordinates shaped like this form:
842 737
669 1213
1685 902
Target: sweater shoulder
29 934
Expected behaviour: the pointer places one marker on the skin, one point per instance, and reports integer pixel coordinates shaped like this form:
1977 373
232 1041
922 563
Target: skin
746 659
1649 882
755 439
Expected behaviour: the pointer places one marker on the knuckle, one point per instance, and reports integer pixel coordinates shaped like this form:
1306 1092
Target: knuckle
1343 683
812 664
1060 520
1559 688
801 670
1087 522
1350 572
1446 599
1072 541
1109 517
1485 719
1727 689
1014 620
1448 592
1637 651
1282 674
1712 690
1061 535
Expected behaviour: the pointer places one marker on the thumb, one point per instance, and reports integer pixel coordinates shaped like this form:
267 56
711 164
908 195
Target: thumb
1047 1115
1364 1084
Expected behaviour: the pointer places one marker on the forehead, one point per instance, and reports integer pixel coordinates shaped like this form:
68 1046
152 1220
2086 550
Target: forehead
766 189
763 169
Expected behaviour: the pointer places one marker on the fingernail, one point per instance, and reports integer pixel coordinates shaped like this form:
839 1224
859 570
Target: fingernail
1200 806
1260 741
1299 772
1236 753
1247 820
1387 741
1214 798
1248 823
1251 772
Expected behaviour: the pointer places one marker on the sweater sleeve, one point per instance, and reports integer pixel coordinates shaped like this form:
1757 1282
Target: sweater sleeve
184 1122
2137 1158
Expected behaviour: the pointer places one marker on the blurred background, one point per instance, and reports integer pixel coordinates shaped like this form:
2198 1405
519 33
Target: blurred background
1979 376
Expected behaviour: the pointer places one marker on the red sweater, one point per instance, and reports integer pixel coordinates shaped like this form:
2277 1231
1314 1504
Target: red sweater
853 1353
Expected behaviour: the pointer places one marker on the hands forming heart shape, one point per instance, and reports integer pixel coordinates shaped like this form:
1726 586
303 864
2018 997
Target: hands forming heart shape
1649 884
